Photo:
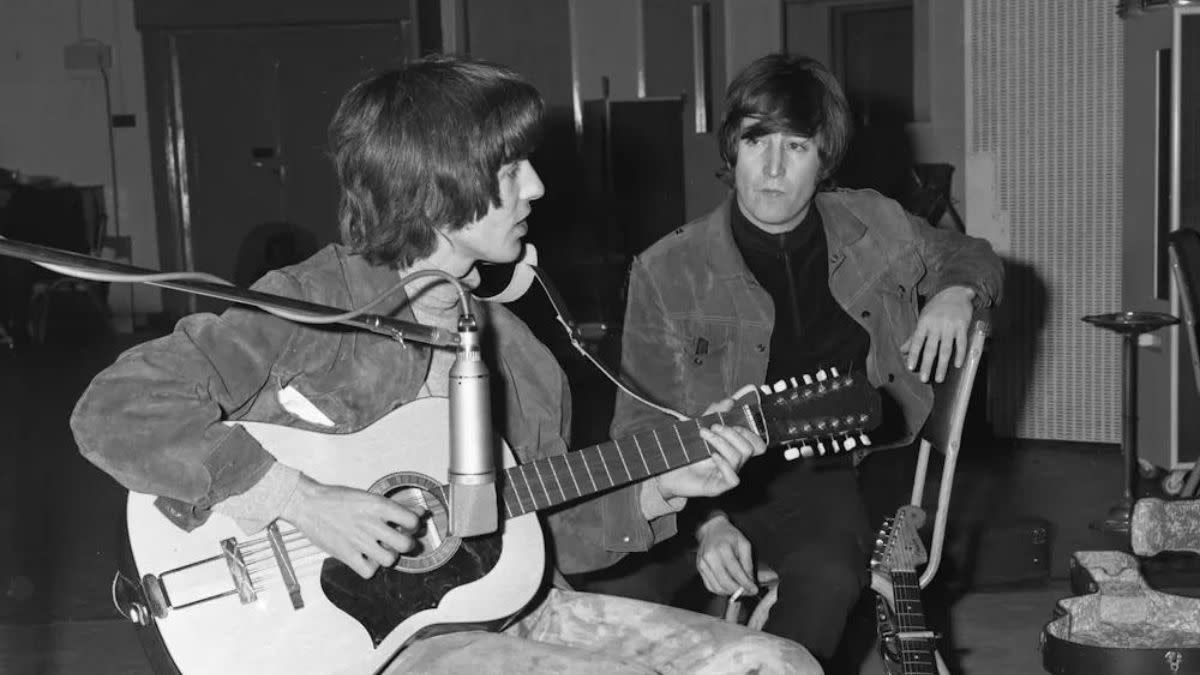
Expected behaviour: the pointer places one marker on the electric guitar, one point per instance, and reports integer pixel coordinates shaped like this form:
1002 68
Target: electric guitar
216 601
905 644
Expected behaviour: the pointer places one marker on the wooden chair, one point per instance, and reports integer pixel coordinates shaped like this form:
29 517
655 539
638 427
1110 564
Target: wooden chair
943 432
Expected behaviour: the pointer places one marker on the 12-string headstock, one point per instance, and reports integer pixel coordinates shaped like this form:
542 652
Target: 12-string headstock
823 414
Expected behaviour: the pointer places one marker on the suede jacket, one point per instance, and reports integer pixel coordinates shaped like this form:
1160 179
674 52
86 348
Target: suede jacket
698 325
153 420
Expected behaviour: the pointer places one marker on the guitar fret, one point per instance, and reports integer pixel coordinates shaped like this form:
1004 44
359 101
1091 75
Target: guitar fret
641 454
706 445
541 481
504 502
554 472
583 458
604 464
528 487
571 473
682 446
622 456
662 452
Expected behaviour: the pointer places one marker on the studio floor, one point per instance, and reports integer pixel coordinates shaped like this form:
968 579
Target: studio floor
60 530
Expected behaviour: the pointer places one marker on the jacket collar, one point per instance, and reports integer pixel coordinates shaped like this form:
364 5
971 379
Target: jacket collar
843 228
366 281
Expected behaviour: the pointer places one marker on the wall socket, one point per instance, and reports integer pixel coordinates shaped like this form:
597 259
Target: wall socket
88 55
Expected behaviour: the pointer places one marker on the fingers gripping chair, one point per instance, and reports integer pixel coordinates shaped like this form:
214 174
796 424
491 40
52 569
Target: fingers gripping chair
943 432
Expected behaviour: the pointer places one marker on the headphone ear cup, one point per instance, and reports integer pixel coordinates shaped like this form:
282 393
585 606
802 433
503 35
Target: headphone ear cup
508 281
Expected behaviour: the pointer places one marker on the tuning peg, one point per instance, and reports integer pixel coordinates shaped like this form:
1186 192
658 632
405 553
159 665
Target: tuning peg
795 384
849 443
833 371
765 389
820 448
822 375
864 439
806 450
791 453
779 386
808 379
836 447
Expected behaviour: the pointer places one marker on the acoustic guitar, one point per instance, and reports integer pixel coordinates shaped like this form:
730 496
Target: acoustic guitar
216 601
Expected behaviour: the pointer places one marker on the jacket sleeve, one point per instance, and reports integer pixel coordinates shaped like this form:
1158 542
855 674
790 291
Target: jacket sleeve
153 419
955 259
648 361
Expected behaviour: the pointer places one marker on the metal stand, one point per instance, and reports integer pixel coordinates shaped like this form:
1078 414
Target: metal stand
1129 325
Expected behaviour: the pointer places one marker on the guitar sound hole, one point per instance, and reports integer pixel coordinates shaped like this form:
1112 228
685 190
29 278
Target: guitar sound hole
421 493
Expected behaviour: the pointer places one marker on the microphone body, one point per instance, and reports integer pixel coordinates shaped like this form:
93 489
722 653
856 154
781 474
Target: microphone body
472 473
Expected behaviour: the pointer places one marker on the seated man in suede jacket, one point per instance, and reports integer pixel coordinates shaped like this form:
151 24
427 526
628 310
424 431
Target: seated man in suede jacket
432 160
785 278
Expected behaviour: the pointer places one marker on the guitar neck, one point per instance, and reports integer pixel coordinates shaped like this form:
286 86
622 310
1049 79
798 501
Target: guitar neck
562 478
916 646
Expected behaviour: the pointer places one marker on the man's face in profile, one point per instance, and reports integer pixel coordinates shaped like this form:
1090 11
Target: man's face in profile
775 176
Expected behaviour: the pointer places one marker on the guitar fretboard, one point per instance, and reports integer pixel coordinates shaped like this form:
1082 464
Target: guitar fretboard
916 653
562 478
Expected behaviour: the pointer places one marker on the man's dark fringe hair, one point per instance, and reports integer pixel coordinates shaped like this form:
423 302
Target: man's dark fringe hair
418 147
790 94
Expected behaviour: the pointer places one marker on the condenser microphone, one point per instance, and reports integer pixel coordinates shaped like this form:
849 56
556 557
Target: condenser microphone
472 474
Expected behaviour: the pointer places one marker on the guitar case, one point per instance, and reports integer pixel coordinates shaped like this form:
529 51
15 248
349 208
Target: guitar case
1122 626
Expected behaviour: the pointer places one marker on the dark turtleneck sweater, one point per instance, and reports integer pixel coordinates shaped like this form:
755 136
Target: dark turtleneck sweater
811 330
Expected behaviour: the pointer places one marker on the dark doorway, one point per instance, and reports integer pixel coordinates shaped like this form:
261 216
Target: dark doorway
873 59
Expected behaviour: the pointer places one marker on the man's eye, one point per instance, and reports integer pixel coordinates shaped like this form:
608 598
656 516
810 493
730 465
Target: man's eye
750 141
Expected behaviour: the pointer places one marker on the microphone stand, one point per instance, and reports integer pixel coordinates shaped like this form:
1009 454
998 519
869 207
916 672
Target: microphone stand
396 329
472 469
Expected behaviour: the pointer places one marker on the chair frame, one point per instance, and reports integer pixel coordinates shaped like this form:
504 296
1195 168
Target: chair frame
943 432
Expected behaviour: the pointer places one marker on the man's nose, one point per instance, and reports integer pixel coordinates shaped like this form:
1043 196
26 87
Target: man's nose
531 183
774 165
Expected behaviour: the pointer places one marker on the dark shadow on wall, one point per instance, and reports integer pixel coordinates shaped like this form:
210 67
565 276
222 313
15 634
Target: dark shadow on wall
271 246
1013 351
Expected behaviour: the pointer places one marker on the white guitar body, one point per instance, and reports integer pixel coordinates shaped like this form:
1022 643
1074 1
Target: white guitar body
270 635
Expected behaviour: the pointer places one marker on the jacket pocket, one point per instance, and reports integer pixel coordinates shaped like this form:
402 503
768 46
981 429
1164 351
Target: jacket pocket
708 354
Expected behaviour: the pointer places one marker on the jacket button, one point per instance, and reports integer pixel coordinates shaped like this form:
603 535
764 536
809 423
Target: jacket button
865 314
891 377
760 347
901 287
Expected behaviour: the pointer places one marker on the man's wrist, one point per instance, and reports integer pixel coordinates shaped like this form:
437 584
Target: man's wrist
655 503
715 518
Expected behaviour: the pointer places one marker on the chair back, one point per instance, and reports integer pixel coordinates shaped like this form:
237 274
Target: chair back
1184 245
952 395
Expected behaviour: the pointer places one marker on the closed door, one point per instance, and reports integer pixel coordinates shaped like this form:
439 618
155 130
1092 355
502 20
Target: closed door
255 109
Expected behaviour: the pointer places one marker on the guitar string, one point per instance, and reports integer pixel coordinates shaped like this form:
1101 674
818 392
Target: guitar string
255 547
908 595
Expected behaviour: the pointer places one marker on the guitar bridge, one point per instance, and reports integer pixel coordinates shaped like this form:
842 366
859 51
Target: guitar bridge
237 570
285 565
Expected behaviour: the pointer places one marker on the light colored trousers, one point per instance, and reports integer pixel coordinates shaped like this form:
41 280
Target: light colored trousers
588 633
